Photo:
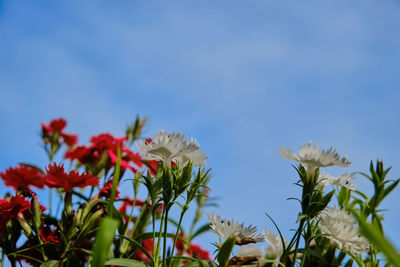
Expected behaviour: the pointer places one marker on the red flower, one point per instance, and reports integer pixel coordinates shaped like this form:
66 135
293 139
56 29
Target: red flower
198 252
180 245
57 177
70 139
23 177
49 234
148 246
106 141
105 191
57 126
83 154
106 144
9 209
125 158
153 166
194 251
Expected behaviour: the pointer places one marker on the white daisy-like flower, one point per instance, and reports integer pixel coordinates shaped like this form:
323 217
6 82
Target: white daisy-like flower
311 157
250 251
275 248
344 180
341 229
226 229
172 147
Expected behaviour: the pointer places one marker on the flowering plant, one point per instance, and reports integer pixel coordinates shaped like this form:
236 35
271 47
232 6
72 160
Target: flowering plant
93 224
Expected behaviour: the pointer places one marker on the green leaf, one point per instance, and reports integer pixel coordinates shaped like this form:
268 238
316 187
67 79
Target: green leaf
117 171
200 230
50 264
125 262
104 240
225 252
279 231
138 246
349 263
376 237
202 263
150 235
27 249
390 188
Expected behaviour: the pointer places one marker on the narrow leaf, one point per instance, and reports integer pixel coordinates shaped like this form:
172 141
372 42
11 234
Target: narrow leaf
125 262
202 229
225 252
104 240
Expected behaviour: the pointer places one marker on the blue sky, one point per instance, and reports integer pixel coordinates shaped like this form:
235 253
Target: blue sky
244 78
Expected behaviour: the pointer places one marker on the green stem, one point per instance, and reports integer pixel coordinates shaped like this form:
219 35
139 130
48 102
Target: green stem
157 251
115 181
176 234
165 236
123 245
153 221
298 240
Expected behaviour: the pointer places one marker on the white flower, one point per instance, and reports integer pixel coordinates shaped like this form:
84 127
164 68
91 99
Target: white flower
341 230
250 251
168 147
311 157
275 248
344 180
227 229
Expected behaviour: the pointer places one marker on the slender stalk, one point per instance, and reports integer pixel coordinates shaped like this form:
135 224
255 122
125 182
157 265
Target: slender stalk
123 245
165 236
115 181
298 240
131 215
153 221
157 251
176 235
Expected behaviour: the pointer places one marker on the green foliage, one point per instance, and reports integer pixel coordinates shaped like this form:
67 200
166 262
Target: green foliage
125 262
375 236
225 251
104 240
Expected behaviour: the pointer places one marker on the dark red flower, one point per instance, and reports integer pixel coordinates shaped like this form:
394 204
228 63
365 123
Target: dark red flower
70 139
126 158
198 252
106 141
106 145
9 209
180 245
58 178
148 246
133 157
49 233
153 166
23 177
83 154
57 126
105 191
